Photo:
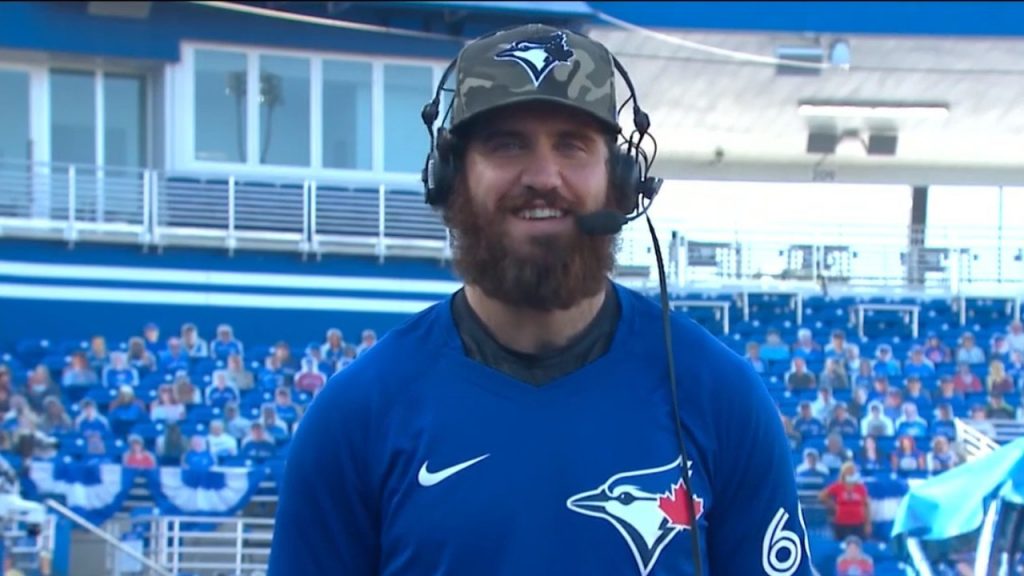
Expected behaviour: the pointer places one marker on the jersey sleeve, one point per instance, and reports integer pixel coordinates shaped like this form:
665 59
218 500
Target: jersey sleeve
326 517
758 528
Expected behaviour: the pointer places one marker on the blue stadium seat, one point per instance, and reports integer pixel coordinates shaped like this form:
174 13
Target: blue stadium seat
72 445
70 346
191 427
101 396
116 447
257 352
55 363
155 379
15 365
199 413
148 430
31 350
201 368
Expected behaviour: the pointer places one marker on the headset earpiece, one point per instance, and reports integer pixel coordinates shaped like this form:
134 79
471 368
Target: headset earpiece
439 173
625 181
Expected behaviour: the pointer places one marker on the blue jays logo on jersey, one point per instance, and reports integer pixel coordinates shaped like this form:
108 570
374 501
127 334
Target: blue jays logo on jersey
648 507
539 55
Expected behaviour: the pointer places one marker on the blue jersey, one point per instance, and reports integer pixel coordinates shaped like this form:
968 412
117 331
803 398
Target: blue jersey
418 460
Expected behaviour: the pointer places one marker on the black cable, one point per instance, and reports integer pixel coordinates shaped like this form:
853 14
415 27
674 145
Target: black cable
667 327
1014 539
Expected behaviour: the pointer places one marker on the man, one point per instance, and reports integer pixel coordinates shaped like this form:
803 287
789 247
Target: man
525 425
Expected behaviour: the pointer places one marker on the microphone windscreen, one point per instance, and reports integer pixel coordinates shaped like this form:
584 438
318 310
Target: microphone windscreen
601 223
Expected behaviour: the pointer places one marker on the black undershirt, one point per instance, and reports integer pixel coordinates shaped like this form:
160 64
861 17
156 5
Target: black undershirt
537 369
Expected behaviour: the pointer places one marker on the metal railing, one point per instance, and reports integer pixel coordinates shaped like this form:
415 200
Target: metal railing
234 545
109 539
171 545
389 219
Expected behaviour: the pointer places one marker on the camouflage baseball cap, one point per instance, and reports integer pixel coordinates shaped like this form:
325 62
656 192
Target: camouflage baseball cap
534 63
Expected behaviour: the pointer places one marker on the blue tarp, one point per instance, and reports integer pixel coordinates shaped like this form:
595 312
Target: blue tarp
572 9
954 503
883 18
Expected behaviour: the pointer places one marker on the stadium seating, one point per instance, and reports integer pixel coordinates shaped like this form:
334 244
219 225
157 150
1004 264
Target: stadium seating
822 315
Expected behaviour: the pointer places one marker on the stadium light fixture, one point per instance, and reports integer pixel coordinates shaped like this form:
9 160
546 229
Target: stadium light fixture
916 111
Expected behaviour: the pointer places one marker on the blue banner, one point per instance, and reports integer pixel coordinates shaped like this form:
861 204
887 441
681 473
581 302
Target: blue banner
98 491
94 491
213 492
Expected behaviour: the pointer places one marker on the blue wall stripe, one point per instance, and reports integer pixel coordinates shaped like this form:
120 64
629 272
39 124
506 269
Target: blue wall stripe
220 261
154 277
75 321
142 285
207 298
884 18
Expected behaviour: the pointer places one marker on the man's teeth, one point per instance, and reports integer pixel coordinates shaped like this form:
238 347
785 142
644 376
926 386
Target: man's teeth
540 213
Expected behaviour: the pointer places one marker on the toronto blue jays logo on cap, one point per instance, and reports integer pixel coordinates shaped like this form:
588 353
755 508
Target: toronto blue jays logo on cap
648 507
539 55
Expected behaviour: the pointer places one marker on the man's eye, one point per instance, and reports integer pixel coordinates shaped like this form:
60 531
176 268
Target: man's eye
506 145
573 146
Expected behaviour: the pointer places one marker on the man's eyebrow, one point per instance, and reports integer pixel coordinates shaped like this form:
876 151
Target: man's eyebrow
577 134
491 134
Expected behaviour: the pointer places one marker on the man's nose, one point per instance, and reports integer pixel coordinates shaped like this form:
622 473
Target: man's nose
542 170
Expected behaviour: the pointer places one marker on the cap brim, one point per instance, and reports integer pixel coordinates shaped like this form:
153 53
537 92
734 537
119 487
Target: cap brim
471 120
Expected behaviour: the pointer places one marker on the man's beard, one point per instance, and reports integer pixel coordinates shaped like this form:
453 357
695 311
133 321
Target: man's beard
553 273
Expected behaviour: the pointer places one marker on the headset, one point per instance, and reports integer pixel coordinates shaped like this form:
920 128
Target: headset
635 190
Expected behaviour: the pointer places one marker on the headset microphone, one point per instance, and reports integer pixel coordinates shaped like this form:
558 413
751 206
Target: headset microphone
610 222
601 223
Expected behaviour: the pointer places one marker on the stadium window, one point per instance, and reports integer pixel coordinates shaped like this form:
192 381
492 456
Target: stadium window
406 89
221 127
73 117
347 115
284 110
124 124
14 114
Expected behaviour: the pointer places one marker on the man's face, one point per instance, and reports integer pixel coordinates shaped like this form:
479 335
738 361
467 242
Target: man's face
526 173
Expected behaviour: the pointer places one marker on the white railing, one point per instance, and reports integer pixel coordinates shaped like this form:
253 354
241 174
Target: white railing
387 220
74 201
975 443
201 545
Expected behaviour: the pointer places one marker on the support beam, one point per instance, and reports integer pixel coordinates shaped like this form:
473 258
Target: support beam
915 244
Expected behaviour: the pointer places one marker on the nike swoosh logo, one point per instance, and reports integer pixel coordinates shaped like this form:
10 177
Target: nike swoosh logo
428 478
